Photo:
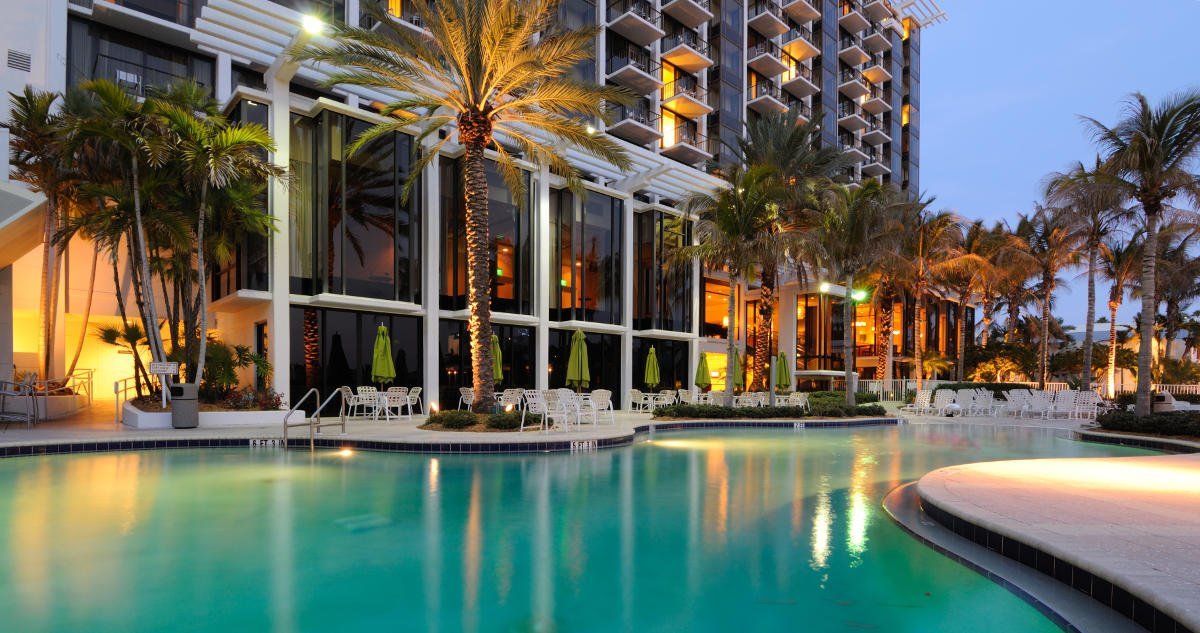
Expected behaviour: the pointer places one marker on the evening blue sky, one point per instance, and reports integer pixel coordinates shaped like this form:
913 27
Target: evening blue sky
1002 84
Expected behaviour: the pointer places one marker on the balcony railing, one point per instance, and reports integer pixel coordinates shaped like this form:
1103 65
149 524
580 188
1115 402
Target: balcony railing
762 6
879 93
764 89
846 109
877 59
874 156
640 8
639 112
852 74
875 29
798 106
406 14
177 11
851 40
135 78
690 135
686 37
765 47
798 69
846 143
685 86
639 58
800 33
850 6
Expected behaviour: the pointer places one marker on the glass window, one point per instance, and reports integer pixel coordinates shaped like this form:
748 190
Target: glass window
587 257
662 291
509 231
604 361
135 63
714 309
249 267
818 343
301 235
517 351
674 370
327 10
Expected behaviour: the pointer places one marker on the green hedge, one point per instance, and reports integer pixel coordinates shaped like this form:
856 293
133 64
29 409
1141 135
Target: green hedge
505 421
997 388
454 419
1173 423
838 398
718 412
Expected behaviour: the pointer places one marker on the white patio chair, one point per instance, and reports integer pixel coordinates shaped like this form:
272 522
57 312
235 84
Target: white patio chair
965 399
942 399
1063 405
393 404
637 400
535 405
511 398
602 401
414 397
918 405
466 396
350 400
368 400
1087 405
666 396
686 396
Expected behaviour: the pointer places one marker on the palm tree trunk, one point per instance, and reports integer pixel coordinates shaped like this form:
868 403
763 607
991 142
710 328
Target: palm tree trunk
919 339
883 332
986 322
153 335
731 342
1112 348
87 313
475 133
48 287
848 342
762 342
1089 334
200 283
1044 343
1014 315
961 334
1149 301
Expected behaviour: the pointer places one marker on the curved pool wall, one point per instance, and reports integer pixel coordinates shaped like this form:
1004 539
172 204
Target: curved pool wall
689 531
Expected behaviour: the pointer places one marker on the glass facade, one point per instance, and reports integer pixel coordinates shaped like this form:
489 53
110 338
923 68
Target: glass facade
586 257
331 348
674 370
662 291
517 349
135 63
604 361
714 309
511 248
250 266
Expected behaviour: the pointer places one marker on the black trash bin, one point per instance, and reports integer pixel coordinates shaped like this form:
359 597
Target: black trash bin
184 411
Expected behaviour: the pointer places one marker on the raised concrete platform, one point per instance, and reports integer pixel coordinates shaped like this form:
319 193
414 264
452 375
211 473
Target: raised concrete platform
1125 531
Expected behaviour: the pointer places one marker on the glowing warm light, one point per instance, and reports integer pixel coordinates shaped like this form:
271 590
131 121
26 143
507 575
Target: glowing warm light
312 24
433 407
433 476
824 287
858 294
860 324
724 321
508 409
822 527
345 452
590 129
1157 474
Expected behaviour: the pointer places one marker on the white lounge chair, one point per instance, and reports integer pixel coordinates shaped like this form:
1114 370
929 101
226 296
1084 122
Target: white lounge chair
601 402
466 396
918 405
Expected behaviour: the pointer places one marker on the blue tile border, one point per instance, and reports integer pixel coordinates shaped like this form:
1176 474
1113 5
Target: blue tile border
1164 444
547 445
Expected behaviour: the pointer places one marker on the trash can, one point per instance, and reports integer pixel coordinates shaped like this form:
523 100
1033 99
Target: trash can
184 412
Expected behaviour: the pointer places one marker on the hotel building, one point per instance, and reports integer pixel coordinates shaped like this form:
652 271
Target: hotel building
348 254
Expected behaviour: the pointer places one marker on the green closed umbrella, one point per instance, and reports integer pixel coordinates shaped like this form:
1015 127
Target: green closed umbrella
783 377
579 375
738 379
383 370
652 376
497 360
703 380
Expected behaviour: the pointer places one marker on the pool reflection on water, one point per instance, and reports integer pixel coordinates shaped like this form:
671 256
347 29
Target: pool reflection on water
749 530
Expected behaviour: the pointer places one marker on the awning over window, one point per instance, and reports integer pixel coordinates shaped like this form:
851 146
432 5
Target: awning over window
20 221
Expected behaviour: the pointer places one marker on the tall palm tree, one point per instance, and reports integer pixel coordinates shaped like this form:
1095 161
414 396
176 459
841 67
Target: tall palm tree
1097 211
40 157
727 223
1148 156
925 251
1054 243
1120 264
500 71
1176 279
849 234
1009 263
792 147
974 248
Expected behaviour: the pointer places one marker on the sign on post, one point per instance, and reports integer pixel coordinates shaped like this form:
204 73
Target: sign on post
163 371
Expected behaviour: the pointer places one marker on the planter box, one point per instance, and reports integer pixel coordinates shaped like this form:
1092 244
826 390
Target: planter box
137 418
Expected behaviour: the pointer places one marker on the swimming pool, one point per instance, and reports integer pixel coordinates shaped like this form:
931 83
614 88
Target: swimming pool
746 530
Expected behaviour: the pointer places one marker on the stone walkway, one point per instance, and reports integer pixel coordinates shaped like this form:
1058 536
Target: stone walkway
1133 521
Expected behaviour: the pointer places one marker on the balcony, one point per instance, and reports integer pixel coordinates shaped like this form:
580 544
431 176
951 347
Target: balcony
636 21
637 123
690 13
876 71
685 144
876 133
766 59
875 164
800 43
877 101
764 97
178 11
686 50
406 18
877 39
850 116
135 78
852 147
803 111
766 17
851 17
852 83
685 96
635 69
802 10
798 80
877 10
851 50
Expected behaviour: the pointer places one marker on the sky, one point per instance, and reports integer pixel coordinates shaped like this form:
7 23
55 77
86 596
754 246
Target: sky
1003 83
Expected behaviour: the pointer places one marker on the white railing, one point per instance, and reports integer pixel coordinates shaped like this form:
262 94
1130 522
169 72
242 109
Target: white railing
121 391
1175 390
66 393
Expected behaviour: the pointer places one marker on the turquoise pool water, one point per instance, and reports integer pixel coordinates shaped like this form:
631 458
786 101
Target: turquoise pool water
743 530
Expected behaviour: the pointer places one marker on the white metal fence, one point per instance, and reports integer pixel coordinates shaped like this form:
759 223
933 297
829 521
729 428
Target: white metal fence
894 390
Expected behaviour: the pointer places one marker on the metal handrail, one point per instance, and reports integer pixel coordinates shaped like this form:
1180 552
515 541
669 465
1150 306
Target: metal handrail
307 422
314 422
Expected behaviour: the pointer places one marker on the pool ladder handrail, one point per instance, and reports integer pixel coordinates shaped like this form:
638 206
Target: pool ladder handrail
314 422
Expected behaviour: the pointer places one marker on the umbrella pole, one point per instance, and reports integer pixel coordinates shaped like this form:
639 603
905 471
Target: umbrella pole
770 380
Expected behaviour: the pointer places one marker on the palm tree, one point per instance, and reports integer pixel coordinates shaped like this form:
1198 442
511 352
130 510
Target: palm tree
850 228
1176 277
792 147
1054 243
925 252
727 222
500 71
974 247
1009 263
1096 210
40 158
1147 156
1119 263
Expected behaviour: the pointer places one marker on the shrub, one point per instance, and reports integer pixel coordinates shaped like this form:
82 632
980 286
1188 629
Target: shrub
997 388
1168 423
454 419
838 398
504 421
828 411
251 400
869 409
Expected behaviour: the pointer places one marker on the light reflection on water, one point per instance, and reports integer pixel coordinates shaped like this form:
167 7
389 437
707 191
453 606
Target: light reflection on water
747 530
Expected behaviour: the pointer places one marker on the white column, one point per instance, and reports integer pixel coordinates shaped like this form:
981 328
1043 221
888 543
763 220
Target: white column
224 79
786 309
627 301
6 324
431 280
541 275
278 325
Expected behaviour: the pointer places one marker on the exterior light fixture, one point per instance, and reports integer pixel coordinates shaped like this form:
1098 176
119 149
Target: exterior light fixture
508 409
591 129
345 452
858 294
433 407
824 287
312 24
